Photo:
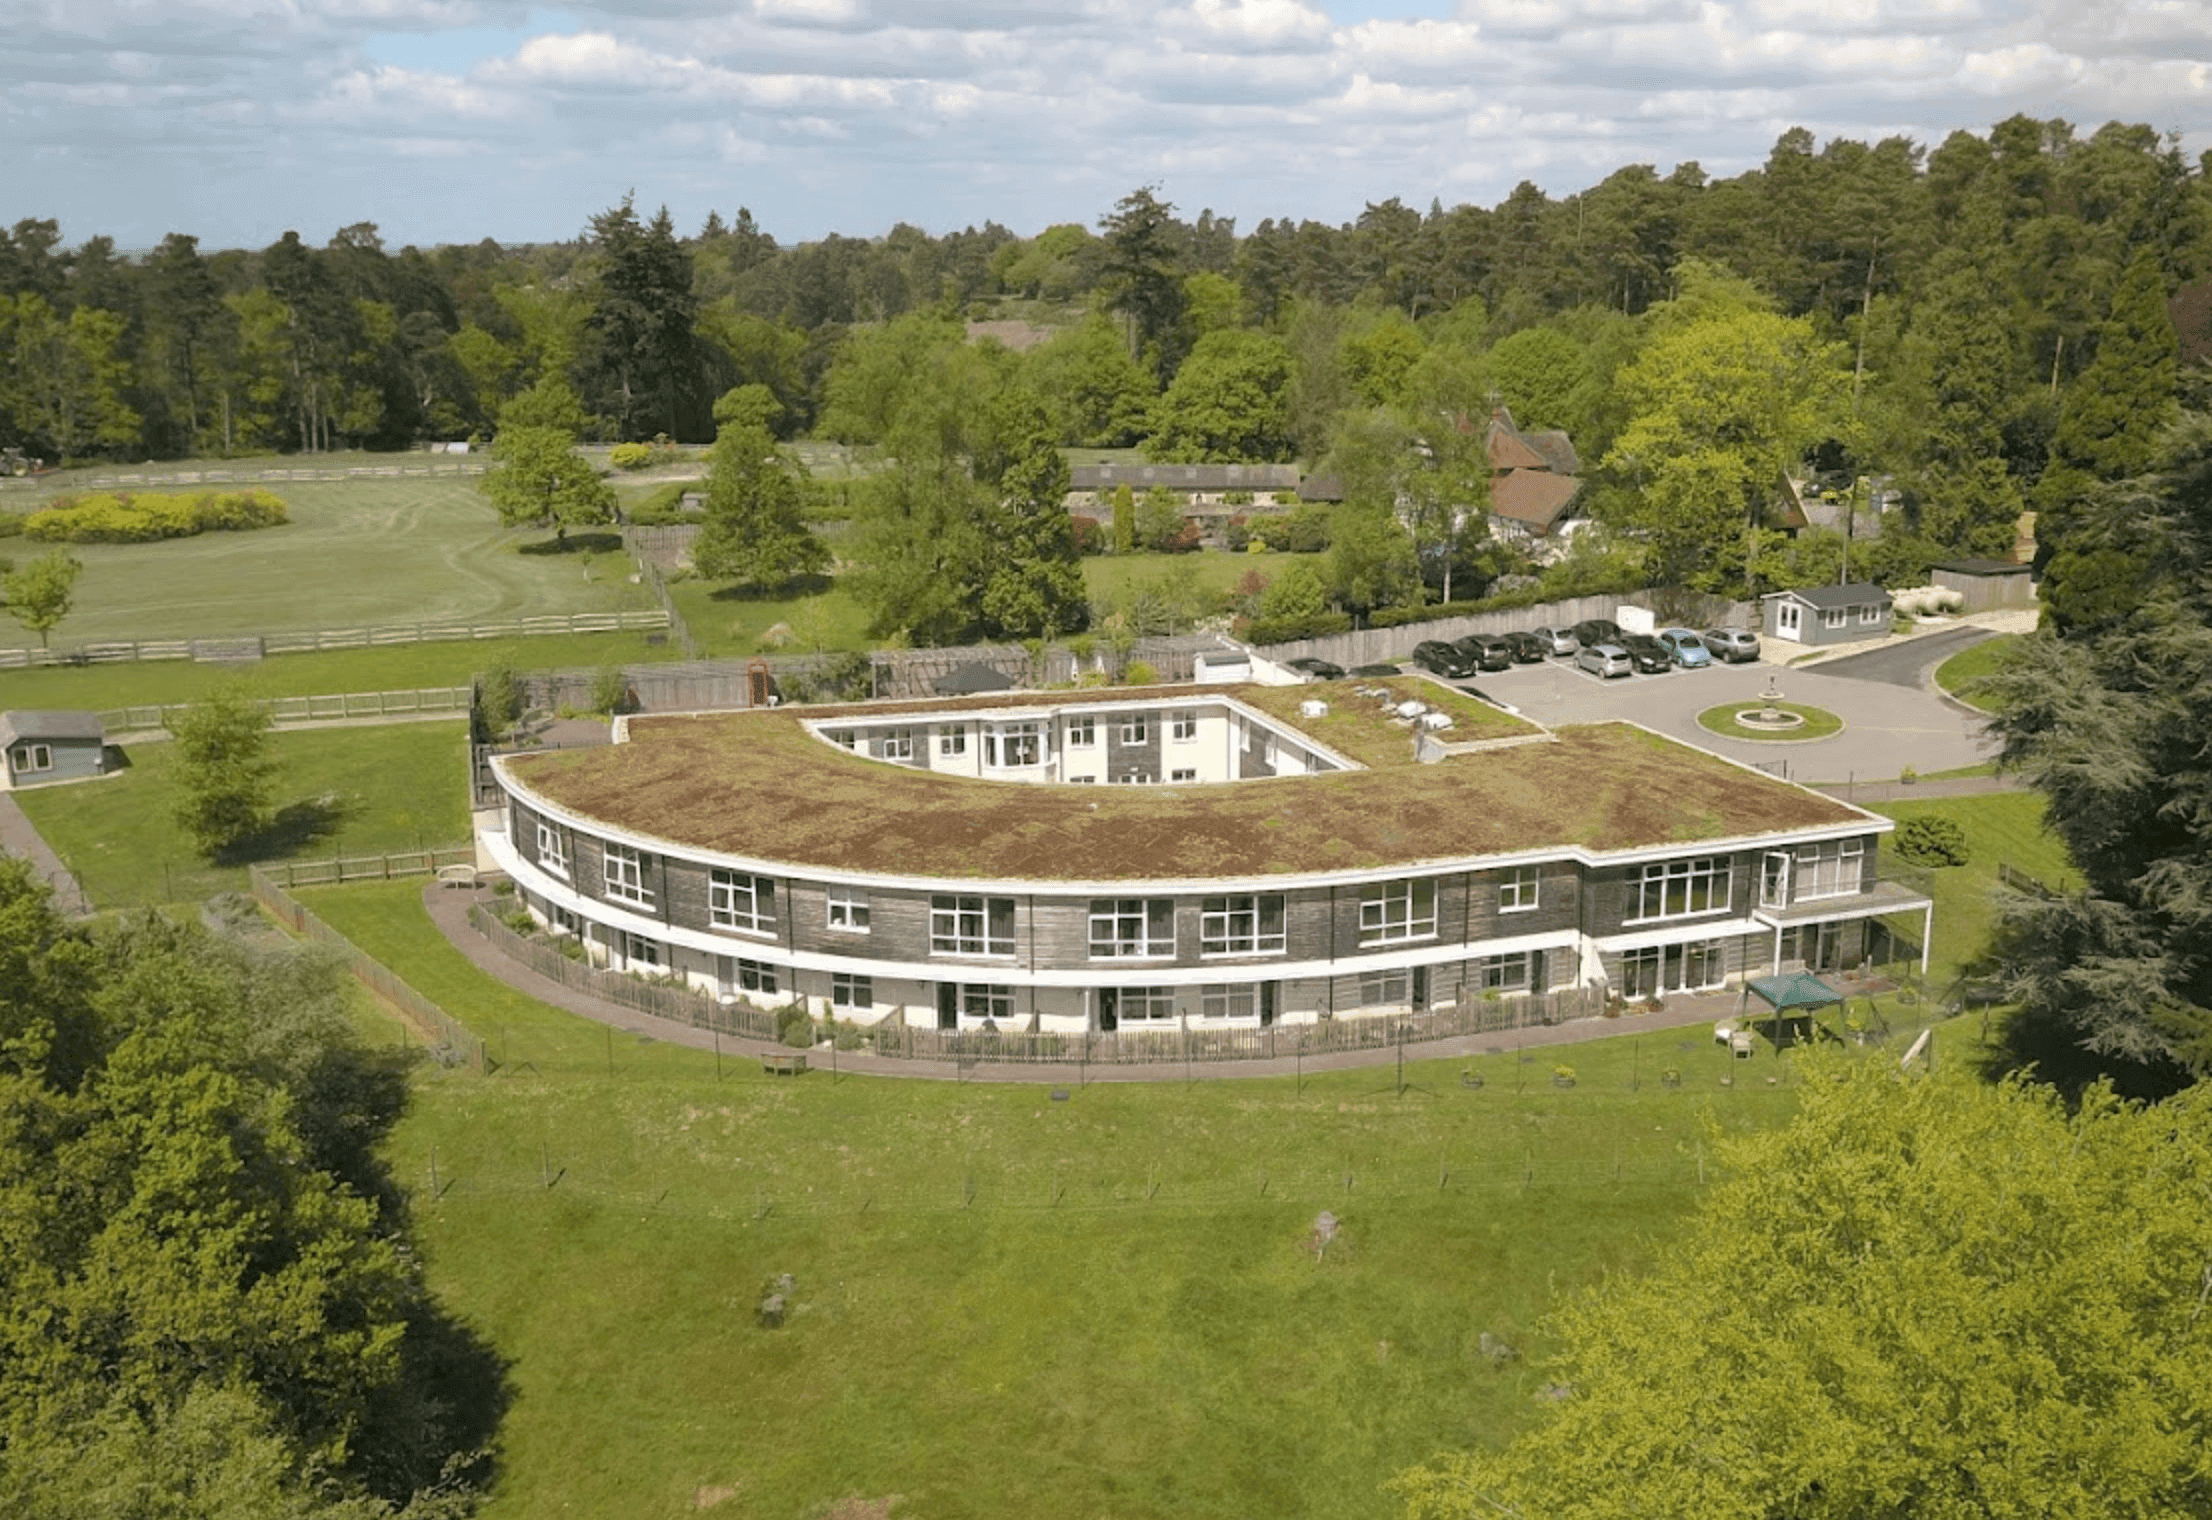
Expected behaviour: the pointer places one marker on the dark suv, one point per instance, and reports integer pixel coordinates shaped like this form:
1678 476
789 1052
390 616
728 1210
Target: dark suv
1595 631
1440 658
1487 652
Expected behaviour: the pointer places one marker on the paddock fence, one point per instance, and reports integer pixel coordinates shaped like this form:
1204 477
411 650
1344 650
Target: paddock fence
246 648
458 1045
157 480
315 709
343 868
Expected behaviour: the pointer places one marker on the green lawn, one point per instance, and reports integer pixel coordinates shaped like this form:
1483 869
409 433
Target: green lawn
355 552
401 787
2000 826
727 623
1008 1305
1957 674
1214 573
1819 723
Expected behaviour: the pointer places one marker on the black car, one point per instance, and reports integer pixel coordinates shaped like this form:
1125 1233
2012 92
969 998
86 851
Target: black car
1374 670
1439 658
1488 653
1594 631
1527 648
1319 670
1647 654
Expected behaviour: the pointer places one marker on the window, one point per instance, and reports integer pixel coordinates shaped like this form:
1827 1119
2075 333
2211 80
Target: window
1703 964
1135 730
1011 745
1833 617
1082 781
752 976
1640 972
848 990
1682 888
559 919
848 910
738 901
1251 925
1829 871
1228 1000
1183 727
1187 773
624 873
1394 911
979 1000
1503 973
846 739
1133 778
637 950
1871 613
898 744
1379 989
971 925
1145 1005
552 850
1517 889
32 757
952 741
1132 926
1082 733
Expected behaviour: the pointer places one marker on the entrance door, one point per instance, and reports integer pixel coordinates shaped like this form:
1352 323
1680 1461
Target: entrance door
1267 1004
1109 1009
948 1005
1420 998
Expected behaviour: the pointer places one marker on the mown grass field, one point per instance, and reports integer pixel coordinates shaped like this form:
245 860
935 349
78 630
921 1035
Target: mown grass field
2000 827
355 552
1006 1304
337 791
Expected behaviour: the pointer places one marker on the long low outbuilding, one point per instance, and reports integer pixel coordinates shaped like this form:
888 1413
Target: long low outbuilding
1221 856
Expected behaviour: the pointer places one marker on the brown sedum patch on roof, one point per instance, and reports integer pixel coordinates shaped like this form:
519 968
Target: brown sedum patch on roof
757 784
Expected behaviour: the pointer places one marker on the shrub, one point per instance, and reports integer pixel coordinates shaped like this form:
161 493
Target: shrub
610 690
11 524
498 699
1932 842
1090 538
794 1026
1139 673
631 456
118 518
1311 625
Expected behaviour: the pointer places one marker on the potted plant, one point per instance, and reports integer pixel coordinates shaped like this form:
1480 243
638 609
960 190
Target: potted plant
1562 1076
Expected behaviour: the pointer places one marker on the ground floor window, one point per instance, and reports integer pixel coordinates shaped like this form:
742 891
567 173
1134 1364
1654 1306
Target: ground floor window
1704 964
1385 988
1640 972
848 990
559 919
972 1003
31 757
1232 1000
1145 1005
1673 968
640 952
752 976
1506 973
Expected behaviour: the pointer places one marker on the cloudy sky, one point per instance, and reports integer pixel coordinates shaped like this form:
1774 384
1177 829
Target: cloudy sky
453 120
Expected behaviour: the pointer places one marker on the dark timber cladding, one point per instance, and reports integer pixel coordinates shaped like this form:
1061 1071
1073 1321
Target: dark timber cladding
756 784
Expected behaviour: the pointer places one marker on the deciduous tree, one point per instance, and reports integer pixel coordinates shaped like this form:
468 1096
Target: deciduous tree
755 531
39 595
1227 405
223 770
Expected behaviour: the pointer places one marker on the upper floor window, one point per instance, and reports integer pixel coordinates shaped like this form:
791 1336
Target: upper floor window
1135 730
1398 910
848 910
738 901
898 744
1682 888
971 925
1010 745
624 871
1517 889
552 850
1082 732
1830 870
1243 925
1132 926
1183 727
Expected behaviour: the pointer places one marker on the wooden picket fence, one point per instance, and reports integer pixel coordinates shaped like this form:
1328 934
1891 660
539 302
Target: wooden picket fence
255 646
344 868
315 709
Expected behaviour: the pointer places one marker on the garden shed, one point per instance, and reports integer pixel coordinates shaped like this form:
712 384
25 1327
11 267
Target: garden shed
1821 615
41 747
1987 583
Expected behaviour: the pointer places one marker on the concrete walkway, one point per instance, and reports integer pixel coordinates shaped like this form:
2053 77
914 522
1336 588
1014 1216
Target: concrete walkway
1687 1020
19 839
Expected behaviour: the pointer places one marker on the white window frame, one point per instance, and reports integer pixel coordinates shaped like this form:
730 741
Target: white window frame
561 920
963 924
1834 617
978 1001
953 741
1711 958
1386 987
1136 729
1132 928
1082 733
1239 924
642 950
852 989
1013 746
1224 1002
1398 912
1133 778
622 875
1183 727
1695 876
1870 614
742 901
1144 1005
745 975
898 744
552 850
1514 972
1636 964
846 910
1186 775
28 758
1520 888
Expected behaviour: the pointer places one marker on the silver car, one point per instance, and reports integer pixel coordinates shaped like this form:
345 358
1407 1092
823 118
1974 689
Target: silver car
1555 640
1735 645
1605 660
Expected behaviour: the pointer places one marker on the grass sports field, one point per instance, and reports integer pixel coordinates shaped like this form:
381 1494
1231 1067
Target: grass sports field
1009 1305
355 551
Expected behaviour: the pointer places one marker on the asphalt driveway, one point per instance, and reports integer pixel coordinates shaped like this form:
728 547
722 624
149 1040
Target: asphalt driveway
1910 662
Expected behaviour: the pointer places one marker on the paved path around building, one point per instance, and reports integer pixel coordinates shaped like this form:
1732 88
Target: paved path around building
1686 1022
19 838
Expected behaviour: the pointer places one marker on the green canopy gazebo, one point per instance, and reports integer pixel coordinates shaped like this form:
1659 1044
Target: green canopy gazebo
1787 991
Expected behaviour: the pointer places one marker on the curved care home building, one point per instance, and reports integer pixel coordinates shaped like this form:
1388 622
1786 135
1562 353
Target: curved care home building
1179 857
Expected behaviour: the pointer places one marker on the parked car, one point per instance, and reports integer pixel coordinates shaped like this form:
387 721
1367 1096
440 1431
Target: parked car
1527 648
1487 652
1734 645
1315 669
1607 660
1440 658
1597 631
1647 654
1377 669
1688 649
1556 640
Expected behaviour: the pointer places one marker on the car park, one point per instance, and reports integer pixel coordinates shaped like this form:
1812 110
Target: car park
1647 654
1527 648
1593 631
1315 669
1735 645
1440 658
1605 660
1687 648
1556 640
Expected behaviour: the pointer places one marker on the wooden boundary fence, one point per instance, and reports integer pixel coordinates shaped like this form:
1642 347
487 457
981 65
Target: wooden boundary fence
2020 881
460 1047
254 646
355 704
679 1005
162 480
341 868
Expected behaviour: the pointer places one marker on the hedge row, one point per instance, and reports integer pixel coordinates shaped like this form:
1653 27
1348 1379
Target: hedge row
124 518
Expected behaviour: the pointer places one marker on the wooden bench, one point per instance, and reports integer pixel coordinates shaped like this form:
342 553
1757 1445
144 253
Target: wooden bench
457 876
789 1065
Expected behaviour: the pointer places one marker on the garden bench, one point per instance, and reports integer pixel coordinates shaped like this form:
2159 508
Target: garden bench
457 876
788 1065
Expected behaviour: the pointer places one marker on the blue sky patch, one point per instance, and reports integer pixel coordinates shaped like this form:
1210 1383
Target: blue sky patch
459 49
